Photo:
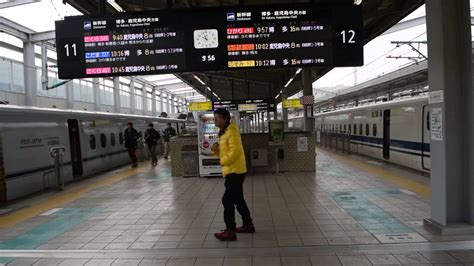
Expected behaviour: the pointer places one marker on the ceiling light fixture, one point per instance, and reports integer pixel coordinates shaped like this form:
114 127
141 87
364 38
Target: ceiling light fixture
115 5
292 78
198 79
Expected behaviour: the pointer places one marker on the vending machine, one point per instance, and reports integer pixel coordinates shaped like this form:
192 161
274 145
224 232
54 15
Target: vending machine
208 134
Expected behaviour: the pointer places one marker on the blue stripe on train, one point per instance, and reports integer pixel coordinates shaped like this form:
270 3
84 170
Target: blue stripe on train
409 145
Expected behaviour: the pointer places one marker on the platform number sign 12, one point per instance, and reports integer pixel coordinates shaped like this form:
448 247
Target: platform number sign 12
348 36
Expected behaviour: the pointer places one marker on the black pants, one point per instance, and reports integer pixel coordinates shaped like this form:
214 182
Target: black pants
234 195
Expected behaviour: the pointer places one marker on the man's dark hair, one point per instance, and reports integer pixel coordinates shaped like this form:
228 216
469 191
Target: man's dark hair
150 125
130 123
226 115
169 124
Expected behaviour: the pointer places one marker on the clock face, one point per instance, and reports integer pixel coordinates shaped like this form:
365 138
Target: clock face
204 39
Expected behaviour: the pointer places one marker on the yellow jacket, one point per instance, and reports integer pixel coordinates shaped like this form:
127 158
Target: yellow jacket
231 152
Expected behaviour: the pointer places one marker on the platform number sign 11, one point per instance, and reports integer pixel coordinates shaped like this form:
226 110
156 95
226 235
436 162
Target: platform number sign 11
73 49
348 36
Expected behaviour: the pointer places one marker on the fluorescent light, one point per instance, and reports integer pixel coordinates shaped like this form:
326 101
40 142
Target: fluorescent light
298 71
289 82
200 80
115 5
214 94
278 95
209 89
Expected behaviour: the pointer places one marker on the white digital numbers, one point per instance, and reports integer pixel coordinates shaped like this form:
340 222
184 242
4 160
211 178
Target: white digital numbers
73 47
348 36
208 58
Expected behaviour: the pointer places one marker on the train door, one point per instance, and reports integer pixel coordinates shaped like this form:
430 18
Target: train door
74 141
386 134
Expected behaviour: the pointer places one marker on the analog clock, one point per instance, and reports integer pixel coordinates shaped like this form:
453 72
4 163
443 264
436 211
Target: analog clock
206 38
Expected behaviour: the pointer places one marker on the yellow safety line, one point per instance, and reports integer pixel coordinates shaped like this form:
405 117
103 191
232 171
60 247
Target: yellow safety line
65 197
402 182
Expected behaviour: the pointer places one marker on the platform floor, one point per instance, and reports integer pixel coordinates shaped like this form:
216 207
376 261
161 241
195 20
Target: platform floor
353 211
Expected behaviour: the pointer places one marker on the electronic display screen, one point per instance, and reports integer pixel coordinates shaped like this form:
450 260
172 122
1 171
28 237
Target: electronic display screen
215 39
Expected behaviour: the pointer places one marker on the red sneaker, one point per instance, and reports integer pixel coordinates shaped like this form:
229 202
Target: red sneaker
249 228
226 236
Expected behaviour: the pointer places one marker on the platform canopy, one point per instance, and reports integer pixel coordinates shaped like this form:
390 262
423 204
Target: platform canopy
379 16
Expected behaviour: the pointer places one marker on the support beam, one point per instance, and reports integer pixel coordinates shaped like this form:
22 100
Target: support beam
8 4
284 111
117 95
153 102
452 147
70 95
44 67
132 95
96 89
162 102
307 91
29 71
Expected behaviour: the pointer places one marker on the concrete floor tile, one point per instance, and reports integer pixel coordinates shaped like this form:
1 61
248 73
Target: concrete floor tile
265 261
159 262
47 262
22 262
354 260
295 261
439 257
180 262
383 259
73 262
411 258
324 260
126 262
209 262
237 261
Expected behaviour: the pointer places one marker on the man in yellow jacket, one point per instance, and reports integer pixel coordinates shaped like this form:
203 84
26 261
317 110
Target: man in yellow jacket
232 160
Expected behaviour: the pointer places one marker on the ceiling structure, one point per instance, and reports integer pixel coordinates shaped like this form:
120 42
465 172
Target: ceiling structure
379 16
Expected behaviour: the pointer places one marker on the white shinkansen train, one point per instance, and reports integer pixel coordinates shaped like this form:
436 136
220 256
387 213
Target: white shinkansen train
93 143
397 131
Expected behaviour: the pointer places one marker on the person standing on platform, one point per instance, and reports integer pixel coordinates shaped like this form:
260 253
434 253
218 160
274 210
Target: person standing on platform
131 136
167 134
232 159
151 138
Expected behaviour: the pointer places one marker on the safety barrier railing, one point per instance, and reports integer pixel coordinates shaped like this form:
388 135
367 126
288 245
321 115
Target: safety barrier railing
57 153
336 139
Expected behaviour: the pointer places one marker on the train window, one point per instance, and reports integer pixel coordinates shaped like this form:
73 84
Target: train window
355 129
374 130
345 127
112 139
92 142
103 140
121 138
360 129
367 129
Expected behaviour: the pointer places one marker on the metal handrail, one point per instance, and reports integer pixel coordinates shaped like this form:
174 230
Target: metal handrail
57 153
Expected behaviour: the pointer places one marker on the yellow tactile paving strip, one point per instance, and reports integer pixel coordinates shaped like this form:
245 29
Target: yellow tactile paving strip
66 197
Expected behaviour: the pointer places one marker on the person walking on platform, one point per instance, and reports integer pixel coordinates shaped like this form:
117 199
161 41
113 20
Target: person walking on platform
232 159
167 134
151 138
131 136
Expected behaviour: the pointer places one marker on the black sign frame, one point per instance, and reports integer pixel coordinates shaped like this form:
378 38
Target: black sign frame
343 19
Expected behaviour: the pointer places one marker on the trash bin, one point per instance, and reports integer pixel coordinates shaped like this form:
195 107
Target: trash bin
189 158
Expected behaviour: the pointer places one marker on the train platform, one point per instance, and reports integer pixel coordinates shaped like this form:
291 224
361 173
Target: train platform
352 211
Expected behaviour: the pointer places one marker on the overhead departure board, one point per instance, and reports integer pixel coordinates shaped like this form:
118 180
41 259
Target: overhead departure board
233 38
